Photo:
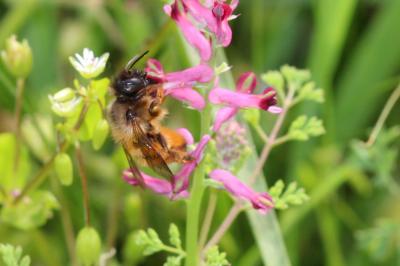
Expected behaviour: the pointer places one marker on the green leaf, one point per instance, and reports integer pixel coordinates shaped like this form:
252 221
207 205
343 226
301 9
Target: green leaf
101 132
295 77
98 89
9 179
379 242
304 127
380 158
31 212
275 79
92 118
309 92
216 258
12 256
132 252
174 236
173 261
291 196
150 241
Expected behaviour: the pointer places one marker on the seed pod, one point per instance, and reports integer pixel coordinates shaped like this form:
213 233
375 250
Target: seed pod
100 134
64 169
88 246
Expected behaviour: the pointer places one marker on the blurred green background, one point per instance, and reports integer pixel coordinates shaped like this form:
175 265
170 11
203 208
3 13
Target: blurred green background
353 51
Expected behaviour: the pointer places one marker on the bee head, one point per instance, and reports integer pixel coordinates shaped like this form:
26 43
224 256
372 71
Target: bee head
131 82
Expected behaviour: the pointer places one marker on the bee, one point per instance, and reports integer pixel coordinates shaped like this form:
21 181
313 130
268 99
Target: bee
135 117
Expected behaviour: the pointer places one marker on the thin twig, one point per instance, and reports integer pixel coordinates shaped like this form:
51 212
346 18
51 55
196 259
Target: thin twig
212 203
65 216
18 111
42 174
261 133
383 116
272 137
257 170
233 213
83 175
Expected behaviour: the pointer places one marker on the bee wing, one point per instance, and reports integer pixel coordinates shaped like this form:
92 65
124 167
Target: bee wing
133 167
150 153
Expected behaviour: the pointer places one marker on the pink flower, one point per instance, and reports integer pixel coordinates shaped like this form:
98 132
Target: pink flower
180 84
182 177
260 201
180 180
241 98
215 15
159 186
192 34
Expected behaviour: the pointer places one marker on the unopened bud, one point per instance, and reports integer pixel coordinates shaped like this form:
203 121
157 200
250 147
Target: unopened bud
64 95
65 108
64 169
17 57
88 246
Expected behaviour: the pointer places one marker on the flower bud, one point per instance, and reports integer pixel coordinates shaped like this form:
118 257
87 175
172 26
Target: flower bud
101 132
64 95
64 169
88 246
17 57
65 108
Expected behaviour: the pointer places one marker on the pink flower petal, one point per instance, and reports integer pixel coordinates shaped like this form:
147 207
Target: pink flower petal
260 201
223 115
199 73
154 69
182 177
192 35
186 135
247 82
241 100
202 14
188 95
157 185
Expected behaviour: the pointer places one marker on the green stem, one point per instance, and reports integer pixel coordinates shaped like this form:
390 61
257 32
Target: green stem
173 250
66 221
194 203
212 203
42 174
261 133
385 113
85 191
18 112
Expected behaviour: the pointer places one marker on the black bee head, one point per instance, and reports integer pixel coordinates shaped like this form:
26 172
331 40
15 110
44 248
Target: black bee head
131 84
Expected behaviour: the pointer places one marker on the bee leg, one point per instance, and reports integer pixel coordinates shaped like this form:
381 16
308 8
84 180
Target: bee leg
154 108
178 156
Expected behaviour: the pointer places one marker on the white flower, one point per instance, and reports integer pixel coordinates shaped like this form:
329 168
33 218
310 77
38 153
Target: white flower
89 66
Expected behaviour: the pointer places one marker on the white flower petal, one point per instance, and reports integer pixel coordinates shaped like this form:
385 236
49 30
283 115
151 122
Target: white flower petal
88 65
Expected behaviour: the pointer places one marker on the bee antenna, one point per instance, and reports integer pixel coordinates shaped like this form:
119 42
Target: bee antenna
134 60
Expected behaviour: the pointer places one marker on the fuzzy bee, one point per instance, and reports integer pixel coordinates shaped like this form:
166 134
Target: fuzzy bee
135 118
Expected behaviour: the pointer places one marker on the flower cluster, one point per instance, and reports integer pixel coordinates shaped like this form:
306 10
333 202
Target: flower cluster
205 25
200 22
